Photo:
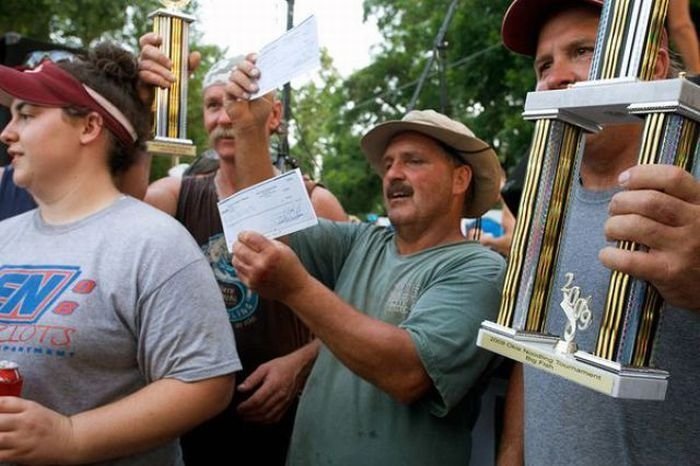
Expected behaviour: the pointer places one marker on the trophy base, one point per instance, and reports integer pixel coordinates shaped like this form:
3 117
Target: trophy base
171 147
593 372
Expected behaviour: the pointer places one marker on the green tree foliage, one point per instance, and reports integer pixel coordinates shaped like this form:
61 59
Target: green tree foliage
81 23
78 23
319 133
485 83
695 13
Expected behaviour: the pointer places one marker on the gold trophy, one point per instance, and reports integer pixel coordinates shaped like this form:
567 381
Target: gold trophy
619 90
170 105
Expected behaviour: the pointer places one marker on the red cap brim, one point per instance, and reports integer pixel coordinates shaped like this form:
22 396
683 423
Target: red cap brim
34 86
50 86
524 19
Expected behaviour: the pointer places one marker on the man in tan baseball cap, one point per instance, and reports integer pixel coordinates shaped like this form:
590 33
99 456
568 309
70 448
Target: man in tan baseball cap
456 140
398 309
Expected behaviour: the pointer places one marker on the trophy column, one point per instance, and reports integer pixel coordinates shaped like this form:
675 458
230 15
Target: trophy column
633 307
538 228
170 105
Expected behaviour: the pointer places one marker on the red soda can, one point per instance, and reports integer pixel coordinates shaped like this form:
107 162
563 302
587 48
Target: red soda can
10 379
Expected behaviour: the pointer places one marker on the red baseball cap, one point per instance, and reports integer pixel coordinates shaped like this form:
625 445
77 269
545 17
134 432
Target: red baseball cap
524 19
50 85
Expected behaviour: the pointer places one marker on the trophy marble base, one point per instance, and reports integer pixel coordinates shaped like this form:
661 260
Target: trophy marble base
171 147
580 367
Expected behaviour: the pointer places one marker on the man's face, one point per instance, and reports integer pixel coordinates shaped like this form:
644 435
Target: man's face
565 48
217 122
419 180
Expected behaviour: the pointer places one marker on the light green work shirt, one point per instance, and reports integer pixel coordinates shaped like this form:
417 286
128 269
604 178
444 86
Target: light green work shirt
440 296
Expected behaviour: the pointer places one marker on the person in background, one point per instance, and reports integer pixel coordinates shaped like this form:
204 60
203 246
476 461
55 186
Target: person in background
501 243
123 344
550 420
276 347
164 193
399 376
495 234
13 199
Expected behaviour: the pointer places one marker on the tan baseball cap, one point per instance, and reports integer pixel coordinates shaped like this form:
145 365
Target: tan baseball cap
476 153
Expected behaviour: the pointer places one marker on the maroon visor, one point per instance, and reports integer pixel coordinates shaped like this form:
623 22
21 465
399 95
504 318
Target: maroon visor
49 85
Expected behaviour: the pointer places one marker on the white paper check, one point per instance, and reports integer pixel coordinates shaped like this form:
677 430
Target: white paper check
275 207
292 54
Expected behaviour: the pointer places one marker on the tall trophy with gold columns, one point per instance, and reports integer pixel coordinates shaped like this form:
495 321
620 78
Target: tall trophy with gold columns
170 105
619 91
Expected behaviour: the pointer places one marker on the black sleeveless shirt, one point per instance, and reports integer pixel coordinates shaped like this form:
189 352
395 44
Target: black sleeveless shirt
264 330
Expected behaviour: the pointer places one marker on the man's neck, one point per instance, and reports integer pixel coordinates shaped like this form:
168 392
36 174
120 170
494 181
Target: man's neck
600 175
414 238
607 155
224 179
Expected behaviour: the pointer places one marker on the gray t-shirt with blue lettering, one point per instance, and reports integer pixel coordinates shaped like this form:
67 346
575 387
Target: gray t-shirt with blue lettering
97 309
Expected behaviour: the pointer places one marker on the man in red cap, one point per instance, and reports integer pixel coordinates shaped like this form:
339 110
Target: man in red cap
550 420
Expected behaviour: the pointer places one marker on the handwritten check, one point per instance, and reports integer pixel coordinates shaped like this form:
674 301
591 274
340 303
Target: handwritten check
292 54
275 207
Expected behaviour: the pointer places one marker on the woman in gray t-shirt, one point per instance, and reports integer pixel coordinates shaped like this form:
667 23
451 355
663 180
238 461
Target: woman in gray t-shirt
107 305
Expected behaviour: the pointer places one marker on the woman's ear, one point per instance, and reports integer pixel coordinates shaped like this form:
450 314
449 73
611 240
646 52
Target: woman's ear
92 126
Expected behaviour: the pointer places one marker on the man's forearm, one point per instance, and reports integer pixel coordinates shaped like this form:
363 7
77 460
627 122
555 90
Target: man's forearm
305 357
252 157
510 452
381 353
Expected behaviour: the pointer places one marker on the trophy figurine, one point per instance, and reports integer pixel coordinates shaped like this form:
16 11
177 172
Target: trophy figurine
620 90
170 105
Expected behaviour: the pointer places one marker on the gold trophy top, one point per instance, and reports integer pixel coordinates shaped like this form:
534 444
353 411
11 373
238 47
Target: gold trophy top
176 5
173 9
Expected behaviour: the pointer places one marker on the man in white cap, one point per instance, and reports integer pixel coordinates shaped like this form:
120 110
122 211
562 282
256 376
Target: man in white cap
560 422
398 310
275 347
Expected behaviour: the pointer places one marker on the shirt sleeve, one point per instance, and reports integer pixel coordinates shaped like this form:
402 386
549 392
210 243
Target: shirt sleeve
444 324
323 248
184 331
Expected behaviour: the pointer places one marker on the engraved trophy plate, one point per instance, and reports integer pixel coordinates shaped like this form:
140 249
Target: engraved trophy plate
619 91
170 105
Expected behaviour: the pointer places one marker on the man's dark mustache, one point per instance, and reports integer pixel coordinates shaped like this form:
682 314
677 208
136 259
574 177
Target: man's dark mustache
398 187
